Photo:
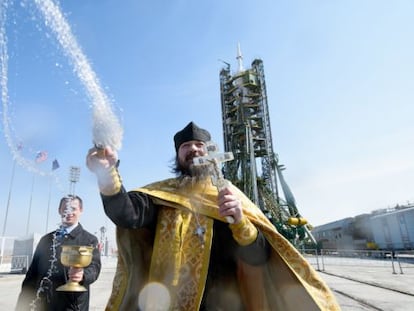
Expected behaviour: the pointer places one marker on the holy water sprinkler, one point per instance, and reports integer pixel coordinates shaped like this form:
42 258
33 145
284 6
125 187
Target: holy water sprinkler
214 159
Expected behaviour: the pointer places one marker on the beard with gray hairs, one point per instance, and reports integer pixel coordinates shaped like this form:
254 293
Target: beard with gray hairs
192 173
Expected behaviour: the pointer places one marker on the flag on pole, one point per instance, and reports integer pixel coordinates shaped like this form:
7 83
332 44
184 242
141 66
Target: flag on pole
41 156
55 165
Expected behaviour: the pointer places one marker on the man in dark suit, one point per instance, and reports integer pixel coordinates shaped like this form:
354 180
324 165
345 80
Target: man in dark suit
46 272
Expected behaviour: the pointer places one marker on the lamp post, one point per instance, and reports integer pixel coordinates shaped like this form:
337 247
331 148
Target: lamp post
30 206
73 178
8 199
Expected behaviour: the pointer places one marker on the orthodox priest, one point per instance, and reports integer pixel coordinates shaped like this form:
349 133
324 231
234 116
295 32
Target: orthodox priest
186 244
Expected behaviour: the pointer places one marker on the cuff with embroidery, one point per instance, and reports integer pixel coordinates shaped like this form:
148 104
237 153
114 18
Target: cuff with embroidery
109 182
244 232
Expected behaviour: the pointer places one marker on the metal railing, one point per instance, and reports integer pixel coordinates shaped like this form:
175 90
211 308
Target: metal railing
14 264
398 262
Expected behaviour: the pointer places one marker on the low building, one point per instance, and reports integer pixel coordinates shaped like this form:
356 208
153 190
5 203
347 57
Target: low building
384 229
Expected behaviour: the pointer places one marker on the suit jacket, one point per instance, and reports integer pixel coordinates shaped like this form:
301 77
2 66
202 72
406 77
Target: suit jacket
46 273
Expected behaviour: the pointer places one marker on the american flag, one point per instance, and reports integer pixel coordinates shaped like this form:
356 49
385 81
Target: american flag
41 156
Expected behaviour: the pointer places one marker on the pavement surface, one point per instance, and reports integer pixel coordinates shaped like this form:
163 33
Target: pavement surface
358 284
369 284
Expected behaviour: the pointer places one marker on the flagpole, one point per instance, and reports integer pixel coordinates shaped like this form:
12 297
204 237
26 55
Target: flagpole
48 203
55 166
8 199
30 206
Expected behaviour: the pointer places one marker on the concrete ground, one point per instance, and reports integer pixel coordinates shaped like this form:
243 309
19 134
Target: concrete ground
358 284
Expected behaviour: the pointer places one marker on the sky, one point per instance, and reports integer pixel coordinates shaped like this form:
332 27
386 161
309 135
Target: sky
339 78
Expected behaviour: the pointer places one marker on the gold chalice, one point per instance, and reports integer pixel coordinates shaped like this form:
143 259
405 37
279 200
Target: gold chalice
75 256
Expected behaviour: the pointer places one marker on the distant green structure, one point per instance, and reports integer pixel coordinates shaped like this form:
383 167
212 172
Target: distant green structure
255 168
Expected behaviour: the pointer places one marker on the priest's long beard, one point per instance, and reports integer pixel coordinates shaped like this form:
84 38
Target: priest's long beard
195 173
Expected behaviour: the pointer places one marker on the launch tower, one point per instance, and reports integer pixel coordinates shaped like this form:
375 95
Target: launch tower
247 133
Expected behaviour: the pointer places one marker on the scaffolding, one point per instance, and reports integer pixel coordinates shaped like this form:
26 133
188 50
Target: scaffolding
247 133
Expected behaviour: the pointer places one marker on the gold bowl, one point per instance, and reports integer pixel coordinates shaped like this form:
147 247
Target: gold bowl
77 256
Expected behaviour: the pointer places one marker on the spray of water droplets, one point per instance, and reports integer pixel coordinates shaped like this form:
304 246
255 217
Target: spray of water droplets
106 128
46 283
57 238
4 93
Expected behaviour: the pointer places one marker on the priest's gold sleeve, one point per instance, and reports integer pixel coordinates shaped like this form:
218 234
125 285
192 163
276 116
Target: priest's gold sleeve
244 232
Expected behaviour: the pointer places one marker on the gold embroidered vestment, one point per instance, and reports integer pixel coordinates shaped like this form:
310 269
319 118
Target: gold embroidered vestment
174 257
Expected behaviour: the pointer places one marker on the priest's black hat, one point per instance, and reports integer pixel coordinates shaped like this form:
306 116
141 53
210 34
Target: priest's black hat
190 132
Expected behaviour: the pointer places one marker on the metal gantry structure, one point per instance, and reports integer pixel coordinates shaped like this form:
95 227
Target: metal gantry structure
255 168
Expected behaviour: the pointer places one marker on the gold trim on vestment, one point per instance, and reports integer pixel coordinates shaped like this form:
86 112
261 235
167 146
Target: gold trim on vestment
287 281
180 259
